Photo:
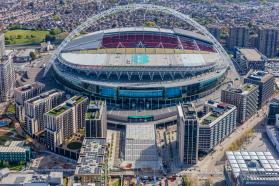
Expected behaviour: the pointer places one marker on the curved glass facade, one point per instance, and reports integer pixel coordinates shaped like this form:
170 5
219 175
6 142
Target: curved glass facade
145 98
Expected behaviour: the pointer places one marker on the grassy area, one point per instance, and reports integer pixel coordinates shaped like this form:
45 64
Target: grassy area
16 37
58 110
247 88
11 108
74 145
78 99
65 181
4 139
116 182
12 166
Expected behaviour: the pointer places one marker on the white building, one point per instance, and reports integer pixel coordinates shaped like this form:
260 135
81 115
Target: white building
64 120
218 122
24 93
37 106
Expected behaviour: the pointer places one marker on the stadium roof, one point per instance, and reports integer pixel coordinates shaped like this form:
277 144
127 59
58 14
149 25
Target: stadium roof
188 60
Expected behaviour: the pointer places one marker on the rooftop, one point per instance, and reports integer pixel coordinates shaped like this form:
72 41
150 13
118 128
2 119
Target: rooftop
78 99
14 146
251 54
242 161
188 111
66 105
92 156
245 89
44 95
217 111
139 57
259 76
94 109
29 87
24 178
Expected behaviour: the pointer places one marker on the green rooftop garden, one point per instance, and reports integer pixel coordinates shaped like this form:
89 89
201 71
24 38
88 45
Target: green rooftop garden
58 110
247 88
92 115
209 119
88 115
78 99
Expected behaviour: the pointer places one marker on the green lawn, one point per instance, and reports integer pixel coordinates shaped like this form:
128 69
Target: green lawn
11 108
15 37
4 139
12 166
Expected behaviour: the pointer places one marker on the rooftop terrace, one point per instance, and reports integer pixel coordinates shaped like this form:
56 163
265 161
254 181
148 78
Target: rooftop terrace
94 109
25 88
92 157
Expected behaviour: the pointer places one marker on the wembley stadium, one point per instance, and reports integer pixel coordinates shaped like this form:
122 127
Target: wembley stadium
135 68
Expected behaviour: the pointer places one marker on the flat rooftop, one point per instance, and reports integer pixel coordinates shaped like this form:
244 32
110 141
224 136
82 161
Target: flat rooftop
242 161
14 147
92 157
218 111
29 87
187 111
22 178
251 54
245 89
259 76
94 110
66 105
44 95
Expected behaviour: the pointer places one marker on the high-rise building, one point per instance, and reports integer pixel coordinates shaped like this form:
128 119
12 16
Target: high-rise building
64 120
244 98
22 94
265 82
215 30
267 41
218 122
249 58
273 109
96 120
238 37
37 106
188 134
7 78
2 45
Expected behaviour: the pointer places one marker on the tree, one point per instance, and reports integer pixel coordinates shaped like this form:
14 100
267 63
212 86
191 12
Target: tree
150 24
50 38
33 55
55 31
